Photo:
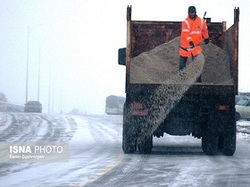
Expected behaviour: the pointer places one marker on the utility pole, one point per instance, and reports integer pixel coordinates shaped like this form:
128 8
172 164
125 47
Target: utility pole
49 99
39 72
27 66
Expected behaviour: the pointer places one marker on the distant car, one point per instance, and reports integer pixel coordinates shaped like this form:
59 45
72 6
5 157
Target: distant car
33 106
237 98
114 105
242 109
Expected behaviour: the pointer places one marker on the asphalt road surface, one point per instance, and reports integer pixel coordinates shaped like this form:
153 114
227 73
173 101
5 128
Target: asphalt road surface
96 157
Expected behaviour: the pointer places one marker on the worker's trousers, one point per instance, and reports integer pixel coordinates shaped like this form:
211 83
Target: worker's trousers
182 65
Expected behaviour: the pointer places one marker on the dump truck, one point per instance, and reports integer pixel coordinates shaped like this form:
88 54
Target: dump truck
155 106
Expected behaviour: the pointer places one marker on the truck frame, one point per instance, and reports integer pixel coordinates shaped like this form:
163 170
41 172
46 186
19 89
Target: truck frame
205 111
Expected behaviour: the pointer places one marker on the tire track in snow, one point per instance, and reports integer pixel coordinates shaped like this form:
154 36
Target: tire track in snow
122 172
123 168
25 127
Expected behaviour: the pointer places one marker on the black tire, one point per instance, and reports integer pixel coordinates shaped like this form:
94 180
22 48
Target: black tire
229 143
210 137
237 116
128 141
145 144
129 133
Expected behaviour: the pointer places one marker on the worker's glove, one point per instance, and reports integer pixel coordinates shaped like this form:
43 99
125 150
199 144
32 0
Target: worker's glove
206 41
191 43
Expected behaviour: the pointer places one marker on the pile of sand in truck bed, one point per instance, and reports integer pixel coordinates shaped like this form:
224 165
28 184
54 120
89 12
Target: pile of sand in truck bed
166 96
158 65
161 66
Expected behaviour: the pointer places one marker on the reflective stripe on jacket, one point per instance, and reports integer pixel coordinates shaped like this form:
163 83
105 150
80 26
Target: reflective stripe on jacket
192 30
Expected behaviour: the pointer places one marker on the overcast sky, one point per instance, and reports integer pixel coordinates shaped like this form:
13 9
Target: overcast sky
77 41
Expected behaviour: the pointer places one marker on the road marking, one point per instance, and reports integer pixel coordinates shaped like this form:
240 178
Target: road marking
100 172
106 169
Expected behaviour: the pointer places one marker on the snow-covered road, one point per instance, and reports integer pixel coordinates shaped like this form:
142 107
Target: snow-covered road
96 157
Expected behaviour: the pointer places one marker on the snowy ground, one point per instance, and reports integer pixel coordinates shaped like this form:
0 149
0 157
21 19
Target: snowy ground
85 135
243 129
96 158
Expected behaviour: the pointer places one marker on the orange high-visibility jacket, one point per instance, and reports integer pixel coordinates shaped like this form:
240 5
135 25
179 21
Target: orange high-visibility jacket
192 30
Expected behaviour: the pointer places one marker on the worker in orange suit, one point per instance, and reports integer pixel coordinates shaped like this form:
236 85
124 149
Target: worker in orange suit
193 32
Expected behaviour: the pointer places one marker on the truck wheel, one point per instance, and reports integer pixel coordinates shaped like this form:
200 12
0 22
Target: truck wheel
229 143
210 137
145 144
128 134
128 142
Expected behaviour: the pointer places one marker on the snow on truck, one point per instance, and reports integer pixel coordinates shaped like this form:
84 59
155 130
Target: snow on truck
159 100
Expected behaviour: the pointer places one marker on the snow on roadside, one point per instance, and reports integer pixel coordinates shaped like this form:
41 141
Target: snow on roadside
59 128
5 121
243 129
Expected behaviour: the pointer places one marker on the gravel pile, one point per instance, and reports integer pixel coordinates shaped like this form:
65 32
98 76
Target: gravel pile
166 96
217 66
160 64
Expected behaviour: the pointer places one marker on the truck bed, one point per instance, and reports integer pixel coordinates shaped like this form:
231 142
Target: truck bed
146 36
